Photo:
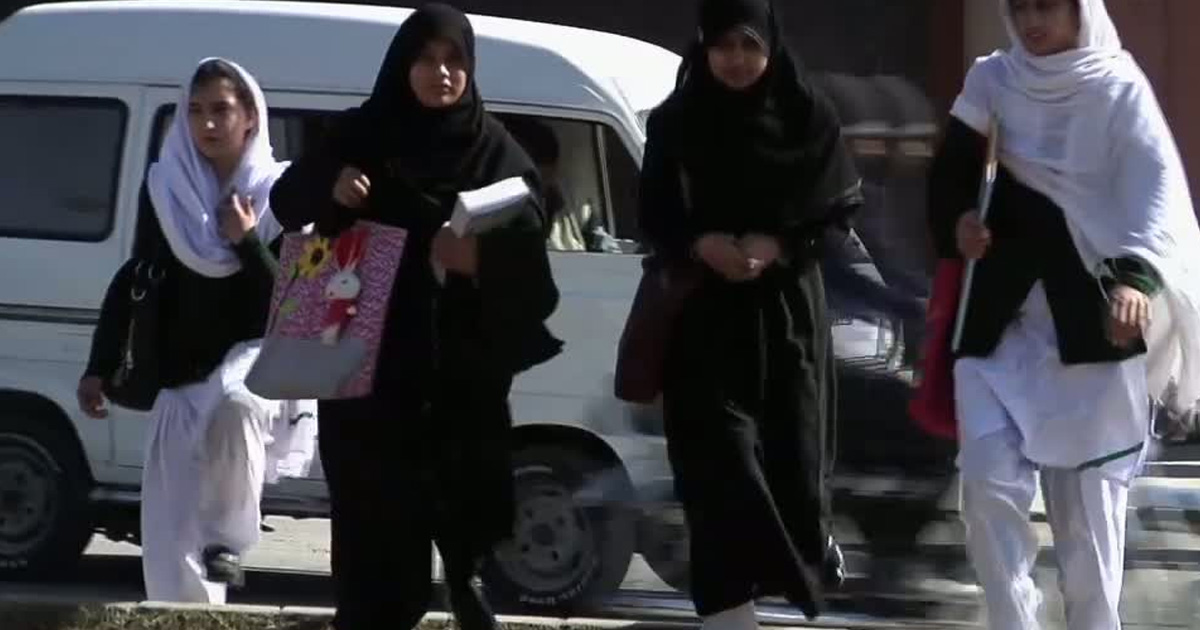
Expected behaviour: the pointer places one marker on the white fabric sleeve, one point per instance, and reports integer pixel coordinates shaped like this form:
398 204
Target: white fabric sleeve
973 105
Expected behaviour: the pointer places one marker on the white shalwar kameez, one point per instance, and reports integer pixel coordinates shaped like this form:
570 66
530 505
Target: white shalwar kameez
1082 127
213 444
1020 411
210 450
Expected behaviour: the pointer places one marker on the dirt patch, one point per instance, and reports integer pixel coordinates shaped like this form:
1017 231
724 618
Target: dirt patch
63 616
98 617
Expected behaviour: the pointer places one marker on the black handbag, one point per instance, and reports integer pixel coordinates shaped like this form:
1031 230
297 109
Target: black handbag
642 349
665 287
136 381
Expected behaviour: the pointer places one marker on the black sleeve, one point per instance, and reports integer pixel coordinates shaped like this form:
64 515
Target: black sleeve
831 231
516 290
662 211
108 337
855 282
832 179
258 262
303 195
1136 273
954 183
260 267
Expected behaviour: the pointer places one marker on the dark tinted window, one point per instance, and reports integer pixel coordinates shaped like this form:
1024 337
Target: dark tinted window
60 161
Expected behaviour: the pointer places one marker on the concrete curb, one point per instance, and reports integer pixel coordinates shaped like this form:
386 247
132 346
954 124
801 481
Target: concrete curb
54 614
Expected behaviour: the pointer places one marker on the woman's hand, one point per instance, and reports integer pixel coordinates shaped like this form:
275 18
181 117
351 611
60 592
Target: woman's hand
351 188
765 249
724 255
972 235
1128 316
90 395
460 255
237 218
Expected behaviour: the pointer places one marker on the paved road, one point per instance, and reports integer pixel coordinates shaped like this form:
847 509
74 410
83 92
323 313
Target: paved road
291 567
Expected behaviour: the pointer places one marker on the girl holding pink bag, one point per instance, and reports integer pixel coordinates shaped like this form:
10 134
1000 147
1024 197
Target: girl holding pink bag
424 456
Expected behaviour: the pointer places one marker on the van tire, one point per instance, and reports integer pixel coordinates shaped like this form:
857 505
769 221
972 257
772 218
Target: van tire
563 556
45 515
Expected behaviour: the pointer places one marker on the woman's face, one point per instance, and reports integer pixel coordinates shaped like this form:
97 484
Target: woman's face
1046 27
737 59
219 121
439 76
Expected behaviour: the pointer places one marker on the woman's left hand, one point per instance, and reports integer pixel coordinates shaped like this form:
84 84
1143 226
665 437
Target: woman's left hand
766 250
460 255
237 218
1128 316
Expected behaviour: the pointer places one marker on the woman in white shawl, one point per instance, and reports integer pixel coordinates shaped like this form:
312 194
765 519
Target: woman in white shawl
207 452
1083 307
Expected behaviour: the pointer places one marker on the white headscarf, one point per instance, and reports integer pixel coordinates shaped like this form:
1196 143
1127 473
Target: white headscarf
1084 128
186 194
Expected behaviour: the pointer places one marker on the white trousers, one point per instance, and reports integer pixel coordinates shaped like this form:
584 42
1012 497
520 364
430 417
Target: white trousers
202 484
1086 513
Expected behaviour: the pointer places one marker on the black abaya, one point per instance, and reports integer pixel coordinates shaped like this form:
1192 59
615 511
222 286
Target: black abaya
426 456
749 389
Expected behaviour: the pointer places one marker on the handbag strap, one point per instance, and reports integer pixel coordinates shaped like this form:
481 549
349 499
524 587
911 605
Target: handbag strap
292 275
150 246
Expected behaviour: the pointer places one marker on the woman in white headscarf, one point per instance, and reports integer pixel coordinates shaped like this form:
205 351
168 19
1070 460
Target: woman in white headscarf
207 199
1083 306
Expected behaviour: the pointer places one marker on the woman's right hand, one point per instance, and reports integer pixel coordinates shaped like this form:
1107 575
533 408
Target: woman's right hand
972 236
91 397
351 188
723 254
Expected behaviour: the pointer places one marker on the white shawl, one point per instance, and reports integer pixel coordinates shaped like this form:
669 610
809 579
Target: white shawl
1084 128
186 194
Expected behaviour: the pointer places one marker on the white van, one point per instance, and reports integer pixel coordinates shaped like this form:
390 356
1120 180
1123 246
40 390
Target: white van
86 90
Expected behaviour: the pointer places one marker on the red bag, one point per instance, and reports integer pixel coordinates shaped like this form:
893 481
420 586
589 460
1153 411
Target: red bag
641 352
933 405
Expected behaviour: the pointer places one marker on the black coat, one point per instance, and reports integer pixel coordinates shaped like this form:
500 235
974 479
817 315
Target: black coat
1030 242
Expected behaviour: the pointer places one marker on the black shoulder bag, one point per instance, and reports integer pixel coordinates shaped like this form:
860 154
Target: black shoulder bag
665 287
136 381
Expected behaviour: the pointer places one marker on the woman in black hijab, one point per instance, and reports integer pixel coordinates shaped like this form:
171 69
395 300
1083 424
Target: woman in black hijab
744 172
426 457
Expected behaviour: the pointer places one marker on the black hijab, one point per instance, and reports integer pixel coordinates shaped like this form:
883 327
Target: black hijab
773 148
440 152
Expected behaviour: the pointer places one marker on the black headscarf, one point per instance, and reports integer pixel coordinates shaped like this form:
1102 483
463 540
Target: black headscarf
440 151
775 146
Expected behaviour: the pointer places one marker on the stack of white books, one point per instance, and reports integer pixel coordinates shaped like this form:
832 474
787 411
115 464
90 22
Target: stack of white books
484 209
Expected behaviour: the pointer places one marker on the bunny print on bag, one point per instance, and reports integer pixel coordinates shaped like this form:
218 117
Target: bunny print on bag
343 288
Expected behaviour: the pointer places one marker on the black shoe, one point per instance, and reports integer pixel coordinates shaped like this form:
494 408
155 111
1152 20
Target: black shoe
223 565
834 574
471 610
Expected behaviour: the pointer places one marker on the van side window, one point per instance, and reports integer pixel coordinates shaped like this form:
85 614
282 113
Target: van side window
569 158
623 177
60 161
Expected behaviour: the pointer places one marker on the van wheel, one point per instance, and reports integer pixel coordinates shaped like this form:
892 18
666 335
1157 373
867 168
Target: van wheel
45 516
573 537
